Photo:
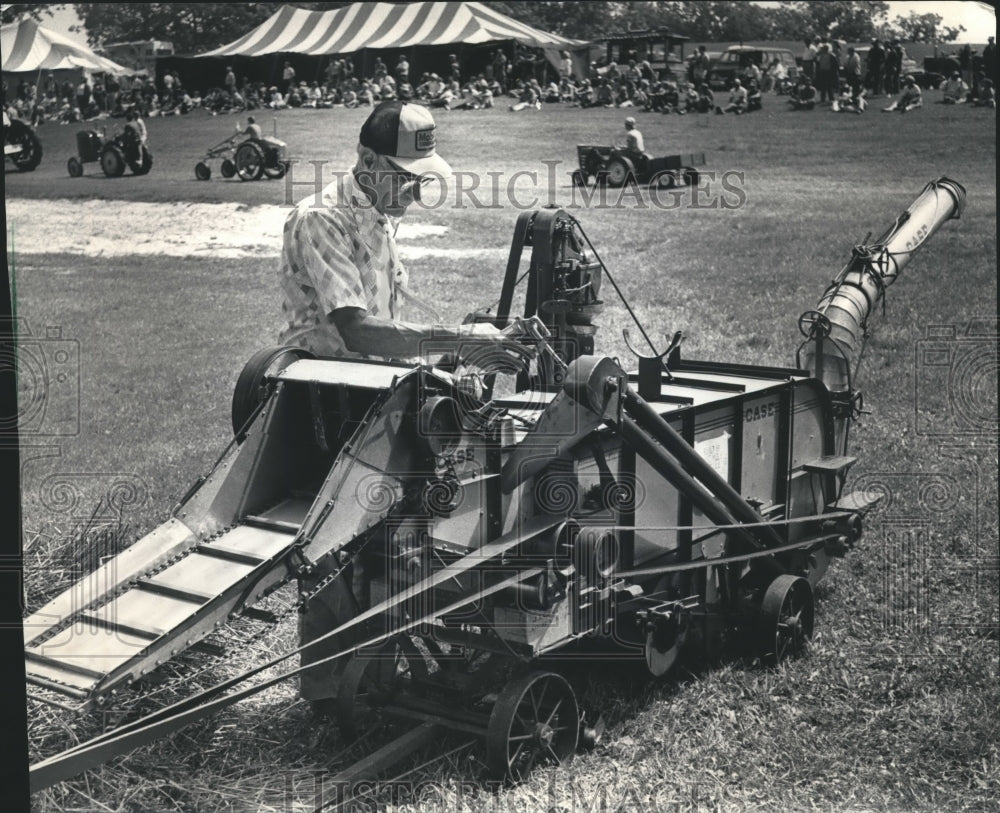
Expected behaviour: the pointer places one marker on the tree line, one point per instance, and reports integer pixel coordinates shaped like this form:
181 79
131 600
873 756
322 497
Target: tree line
197 27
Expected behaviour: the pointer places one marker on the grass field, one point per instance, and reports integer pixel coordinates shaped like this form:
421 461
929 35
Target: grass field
896 705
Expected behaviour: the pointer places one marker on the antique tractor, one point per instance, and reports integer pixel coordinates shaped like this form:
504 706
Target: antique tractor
124 149
615 168
479 518
20 144
250 159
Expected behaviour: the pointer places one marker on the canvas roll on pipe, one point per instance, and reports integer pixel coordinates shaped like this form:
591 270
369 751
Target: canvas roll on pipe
837 329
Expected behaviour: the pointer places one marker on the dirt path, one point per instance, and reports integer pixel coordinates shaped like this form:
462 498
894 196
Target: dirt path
101 228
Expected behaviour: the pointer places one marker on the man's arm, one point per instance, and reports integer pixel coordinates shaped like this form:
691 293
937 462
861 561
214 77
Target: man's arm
376 336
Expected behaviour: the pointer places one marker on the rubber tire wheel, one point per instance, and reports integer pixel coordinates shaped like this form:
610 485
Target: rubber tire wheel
144 164
578 178
275 172
249 392
666 180
202 171
112 161
620 171
249 161
228 168
691 176
74 167
31 148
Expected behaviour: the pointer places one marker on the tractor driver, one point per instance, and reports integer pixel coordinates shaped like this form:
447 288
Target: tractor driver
252 131
343 289
633 146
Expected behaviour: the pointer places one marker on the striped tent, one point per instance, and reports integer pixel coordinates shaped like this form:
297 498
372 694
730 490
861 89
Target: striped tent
27 46
392 25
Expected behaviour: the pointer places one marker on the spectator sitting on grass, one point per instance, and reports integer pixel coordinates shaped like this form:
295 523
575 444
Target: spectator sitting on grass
349 98
847 101
276 101
986 94
737 100
688 101
527 96
585 95
706 98
754 99
955 90
909 99
803 95
604 96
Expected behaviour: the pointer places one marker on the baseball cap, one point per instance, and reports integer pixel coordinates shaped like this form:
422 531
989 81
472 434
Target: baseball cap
630 120
405 133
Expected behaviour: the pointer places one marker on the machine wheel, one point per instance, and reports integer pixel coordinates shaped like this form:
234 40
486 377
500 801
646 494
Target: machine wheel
620 171
74 167
371 679
578 178
30 155
535 721
666 180
144 164
113 161
202 171
276 172
786 619
249 161
250 390
228 168
691 176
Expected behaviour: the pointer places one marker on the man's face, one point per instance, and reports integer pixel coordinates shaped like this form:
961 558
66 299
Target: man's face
393 188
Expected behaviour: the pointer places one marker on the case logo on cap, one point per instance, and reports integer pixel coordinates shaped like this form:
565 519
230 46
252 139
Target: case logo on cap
425 140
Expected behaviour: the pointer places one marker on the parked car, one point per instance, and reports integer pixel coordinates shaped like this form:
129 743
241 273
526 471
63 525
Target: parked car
736 58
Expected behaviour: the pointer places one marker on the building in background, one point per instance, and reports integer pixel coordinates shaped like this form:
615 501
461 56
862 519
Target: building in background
140 56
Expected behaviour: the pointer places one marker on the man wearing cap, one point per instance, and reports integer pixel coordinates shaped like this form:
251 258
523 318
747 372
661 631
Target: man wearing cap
344 289
955 90
909 99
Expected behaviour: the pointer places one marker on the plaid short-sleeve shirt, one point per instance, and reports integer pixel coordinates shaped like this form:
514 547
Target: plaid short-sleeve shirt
340 254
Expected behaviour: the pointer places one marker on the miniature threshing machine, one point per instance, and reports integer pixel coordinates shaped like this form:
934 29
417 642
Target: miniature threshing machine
590 508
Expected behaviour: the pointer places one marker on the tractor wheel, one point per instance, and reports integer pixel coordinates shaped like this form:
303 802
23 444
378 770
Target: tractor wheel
31 148
112 161
666 180
578 178
144 164
785 624
691 176
74 167
202 171
251 386
249 161
535 721
228 168
275 171
620 171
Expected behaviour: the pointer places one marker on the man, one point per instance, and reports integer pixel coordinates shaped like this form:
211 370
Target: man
738 98
909 99
808 59
633 144
699 70
955 90
344 288
252 130
990 59
852 71
288 77
876 65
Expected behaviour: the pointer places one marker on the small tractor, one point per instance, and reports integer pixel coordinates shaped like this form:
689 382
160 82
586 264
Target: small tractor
250 159
20 144
616 168
122 150
481 517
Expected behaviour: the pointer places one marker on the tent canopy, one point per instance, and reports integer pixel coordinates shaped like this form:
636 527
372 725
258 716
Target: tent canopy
27 46
390 25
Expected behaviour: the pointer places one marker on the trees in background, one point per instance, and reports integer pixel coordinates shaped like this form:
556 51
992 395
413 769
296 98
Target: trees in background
194 27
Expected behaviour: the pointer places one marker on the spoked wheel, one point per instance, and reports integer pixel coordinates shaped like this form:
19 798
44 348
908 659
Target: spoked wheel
250 390
786 619
113 161
620 171
74 167
666 180
228 168
535 721
578 178
372 679
249 161
202 171
30 155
